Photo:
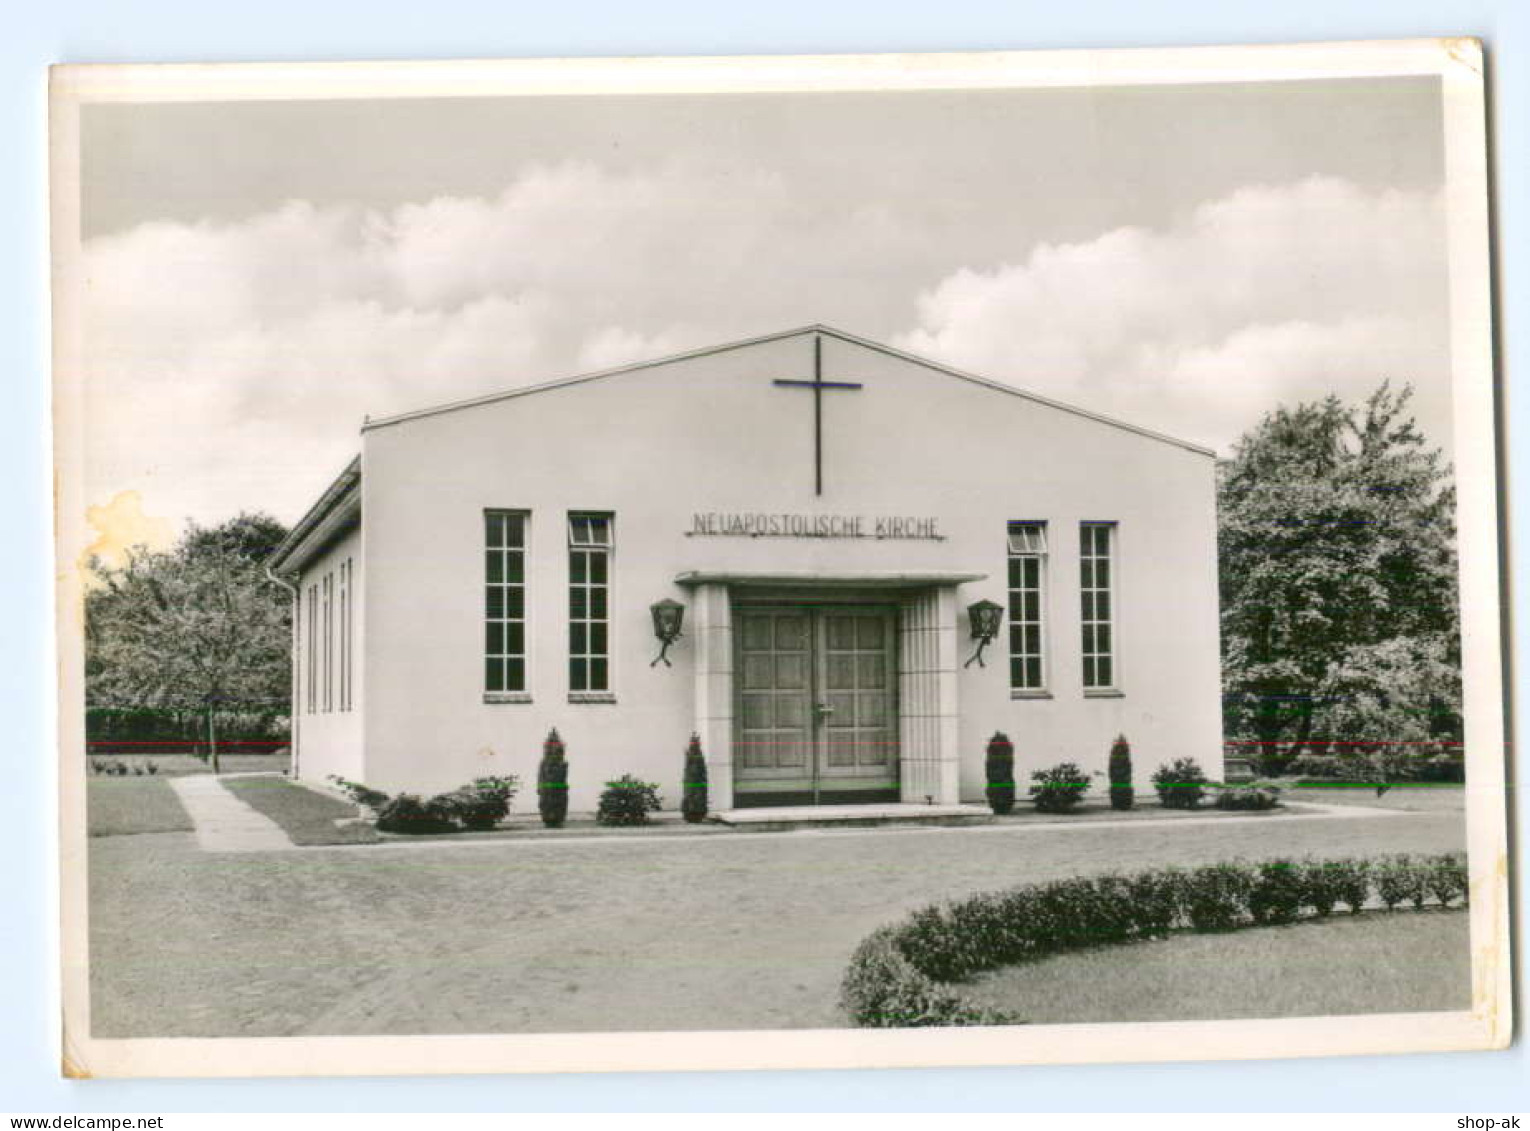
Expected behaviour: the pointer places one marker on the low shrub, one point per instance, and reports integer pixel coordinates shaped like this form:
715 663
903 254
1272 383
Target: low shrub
151 767
899 975
97 766
484 803
999 768
478 806
1180 784
1321 766
1216 896
627 801
409 815
1060 788
1251 797
552 782
693 784
365 796
1279 892
1443 768
1122 796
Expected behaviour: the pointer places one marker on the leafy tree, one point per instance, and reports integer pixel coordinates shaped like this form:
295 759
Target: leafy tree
252 536
1340 627
198 628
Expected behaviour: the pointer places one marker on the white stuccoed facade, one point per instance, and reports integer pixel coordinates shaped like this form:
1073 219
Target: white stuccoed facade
809 642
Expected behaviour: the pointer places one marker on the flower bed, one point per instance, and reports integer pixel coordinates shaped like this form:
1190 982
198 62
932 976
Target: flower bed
903 975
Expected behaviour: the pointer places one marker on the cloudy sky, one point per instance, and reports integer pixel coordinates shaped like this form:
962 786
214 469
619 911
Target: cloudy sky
262 275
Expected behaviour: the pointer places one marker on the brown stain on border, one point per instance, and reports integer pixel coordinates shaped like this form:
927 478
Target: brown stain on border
72 1069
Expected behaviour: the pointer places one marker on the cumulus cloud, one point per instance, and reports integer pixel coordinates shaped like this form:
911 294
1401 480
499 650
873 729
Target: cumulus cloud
1274 293
229 365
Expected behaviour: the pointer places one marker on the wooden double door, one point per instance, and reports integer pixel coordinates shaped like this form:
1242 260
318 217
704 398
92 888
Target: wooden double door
816 705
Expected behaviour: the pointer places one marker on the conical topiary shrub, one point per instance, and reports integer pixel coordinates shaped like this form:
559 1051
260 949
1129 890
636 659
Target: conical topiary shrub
1000 768
1121 794
693 786
552 782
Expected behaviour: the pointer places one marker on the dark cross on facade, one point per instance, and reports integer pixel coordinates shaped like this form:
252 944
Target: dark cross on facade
818 385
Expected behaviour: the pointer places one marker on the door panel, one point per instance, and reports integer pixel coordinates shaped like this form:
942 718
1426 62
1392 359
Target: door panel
859 739
775 719
816 712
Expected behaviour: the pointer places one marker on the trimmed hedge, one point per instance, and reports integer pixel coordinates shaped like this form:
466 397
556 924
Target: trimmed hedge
901 975
552 782
1121 794
693 783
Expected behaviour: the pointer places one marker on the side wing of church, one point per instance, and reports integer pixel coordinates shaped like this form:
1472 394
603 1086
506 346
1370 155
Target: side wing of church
831 517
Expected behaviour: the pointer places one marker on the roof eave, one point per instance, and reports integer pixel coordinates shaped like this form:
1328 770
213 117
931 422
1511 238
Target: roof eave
337 508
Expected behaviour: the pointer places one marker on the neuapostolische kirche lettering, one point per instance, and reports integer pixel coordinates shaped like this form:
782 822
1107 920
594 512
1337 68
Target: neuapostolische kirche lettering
744 524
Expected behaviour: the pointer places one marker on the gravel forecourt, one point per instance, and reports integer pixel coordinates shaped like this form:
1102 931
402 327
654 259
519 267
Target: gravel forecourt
751 931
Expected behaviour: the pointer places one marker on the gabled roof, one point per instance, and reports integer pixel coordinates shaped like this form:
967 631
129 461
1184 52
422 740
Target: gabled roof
816 328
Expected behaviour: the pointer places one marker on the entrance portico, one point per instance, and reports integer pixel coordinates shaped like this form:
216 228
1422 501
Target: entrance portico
827 688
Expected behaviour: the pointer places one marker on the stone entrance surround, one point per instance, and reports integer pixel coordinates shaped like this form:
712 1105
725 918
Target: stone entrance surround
928 735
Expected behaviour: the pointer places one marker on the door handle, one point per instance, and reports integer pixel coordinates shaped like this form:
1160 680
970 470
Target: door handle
823 709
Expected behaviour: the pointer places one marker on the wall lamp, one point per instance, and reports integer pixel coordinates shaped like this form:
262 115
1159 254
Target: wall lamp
985 617
668 616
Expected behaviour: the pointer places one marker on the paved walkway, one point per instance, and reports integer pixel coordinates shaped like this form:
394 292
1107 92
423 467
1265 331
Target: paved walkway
223 822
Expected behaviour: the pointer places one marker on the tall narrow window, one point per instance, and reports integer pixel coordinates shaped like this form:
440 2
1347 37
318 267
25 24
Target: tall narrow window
504 601
350 634
313 647
345 632
1097 614
329 641
1027 561
589 589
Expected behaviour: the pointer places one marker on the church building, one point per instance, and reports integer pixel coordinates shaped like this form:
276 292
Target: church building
842 566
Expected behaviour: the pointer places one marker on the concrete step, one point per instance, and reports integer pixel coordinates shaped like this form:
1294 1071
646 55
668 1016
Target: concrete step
790 817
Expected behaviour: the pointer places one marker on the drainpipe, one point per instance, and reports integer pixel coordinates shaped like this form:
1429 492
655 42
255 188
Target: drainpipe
296 712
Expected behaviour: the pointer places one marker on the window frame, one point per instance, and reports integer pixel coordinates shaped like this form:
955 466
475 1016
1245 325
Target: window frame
1111 622
1026 541
583 540
312 672
345 635
505 694
328 699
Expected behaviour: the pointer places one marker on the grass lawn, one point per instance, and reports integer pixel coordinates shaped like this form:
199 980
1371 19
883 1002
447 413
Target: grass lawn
643 933
1377 962
1410 797
122 806
177 765
306 816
